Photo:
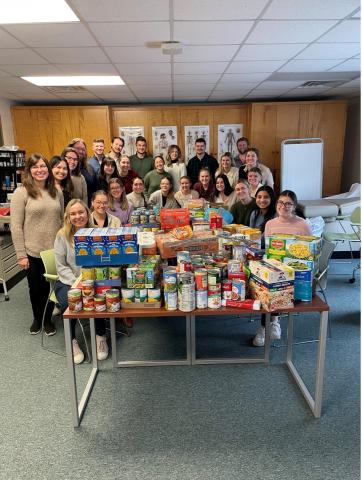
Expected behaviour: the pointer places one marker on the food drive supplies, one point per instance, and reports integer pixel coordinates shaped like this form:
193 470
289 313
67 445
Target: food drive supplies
272 283
96 246
142 282
294 250
200 242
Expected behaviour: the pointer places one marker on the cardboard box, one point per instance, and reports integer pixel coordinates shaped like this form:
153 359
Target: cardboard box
273 297
293 246
271 271
201 242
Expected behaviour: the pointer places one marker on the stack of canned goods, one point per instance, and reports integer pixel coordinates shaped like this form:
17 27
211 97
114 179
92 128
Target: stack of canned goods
88 295
143 216
170 288
186 291
214 288
201 287
101 273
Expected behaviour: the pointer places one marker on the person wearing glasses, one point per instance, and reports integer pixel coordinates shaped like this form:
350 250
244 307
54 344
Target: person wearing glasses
99 216
70 155
36 209
287 221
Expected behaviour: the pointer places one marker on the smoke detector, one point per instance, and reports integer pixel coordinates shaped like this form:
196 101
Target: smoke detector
171 48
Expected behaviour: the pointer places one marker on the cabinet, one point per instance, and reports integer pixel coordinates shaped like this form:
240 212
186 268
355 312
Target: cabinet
8 262
11 165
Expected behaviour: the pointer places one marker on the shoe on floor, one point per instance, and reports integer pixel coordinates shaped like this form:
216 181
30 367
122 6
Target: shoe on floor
56 311
78 355
275 330
49 329
35 328
102 347
259 339
127 322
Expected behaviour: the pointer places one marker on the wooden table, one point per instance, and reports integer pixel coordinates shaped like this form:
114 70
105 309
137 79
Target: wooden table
316 305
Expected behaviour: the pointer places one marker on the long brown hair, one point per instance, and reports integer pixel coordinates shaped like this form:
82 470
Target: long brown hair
28 181
66 184
82 160
76 171
168 160
123 200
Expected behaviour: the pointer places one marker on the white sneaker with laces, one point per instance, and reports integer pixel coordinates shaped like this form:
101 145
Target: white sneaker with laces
275 330
78 355
102 347
259 339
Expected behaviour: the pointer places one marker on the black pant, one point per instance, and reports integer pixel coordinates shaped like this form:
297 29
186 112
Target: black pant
274 314
61 292
38 290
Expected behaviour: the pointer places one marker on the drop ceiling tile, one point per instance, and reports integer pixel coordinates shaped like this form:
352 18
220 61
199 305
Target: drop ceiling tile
352 65
190 89
211 33
150 89
150 79
214 53
28 70
260 95
308 66
357 14
53 35
279 51
352 84
87 69
347 31
131 34
136 55
15 82
144 68
15 56
7 41
73 55
329 50
216 10
244 77
4 73
116 99
310 92
195 68
275 31
78 96
196 78
128 10
155 98
310 9
255 67
272 92
270 85
108 89
234 87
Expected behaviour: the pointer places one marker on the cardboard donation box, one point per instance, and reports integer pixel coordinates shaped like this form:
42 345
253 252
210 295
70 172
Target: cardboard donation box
200 242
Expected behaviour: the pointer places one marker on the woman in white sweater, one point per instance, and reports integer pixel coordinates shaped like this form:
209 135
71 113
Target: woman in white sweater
36 215
175 165
77 215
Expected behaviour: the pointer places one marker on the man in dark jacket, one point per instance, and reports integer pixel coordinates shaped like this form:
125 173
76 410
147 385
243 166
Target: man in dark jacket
201 160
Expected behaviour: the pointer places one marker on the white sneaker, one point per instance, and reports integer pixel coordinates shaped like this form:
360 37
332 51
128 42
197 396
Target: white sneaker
259 339
275 330
102 347
78 355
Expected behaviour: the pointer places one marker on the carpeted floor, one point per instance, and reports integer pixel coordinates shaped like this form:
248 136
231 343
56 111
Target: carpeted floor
179 423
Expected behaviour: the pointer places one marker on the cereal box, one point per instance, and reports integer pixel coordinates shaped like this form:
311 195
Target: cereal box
98 243
114 241
271 271
81 242
273 297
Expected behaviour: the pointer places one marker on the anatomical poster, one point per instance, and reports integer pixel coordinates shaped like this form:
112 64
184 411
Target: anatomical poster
162 138
227 137
129 135
192 133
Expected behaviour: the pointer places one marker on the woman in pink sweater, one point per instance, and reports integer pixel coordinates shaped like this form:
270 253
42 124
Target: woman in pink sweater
286 222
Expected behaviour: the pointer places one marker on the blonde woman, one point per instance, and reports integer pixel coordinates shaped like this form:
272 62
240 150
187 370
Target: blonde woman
119 206
175 165
99 216
77 215
185 194
164 198
36 215
227 169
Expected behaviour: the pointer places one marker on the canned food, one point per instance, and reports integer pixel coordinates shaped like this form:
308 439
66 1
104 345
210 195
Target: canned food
214 288
154 295
213 276
75 300
227 289
88 304
128 295
88 288
114 273
238 290
140 295
201 279
101 273
185 278
170 279
143 218
88 273
152 218
234 266
100 302
214 300
170 300
183 255
201 298
186 296
184 266
112 300
135 218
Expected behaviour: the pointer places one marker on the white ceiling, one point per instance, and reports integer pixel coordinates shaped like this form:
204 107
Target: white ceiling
234 50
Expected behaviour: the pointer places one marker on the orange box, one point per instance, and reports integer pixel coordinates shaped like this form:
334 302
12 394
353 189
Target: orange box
174 217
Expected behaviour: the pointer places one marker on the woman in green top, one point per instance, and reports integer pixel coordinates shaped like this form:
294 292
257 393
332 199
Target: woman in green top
154 177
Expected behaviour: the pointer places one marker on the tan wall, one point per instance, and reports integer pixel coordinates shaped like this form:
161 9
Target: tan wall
48 130
180 115
351 172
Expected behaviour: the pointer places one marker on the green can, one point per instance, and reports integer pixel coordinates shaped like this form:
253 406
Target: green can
114 273
101 273
140 295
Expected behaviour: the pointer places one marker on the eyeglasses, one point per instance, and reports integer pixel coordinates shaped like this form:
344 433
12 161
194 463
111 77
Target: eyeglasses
285 204
39 167
71 159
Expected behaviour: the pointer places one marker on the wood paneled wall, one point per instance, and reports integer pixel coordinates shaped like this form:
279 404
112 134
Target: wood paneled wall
180 115
48 130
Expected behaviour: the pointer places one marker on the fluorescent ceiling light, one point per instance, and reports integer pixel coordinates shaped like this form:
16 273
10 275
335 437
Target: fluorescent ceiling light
71 80
36 11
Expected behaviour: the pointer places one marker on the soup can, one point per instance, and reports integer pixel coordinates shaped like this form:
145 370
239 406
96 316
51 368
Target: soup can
128 295
227 289
88 273
201 279
238 290
201 298
234 266
214 300
88 288
143 218
135 218
140 295
152 217
101 273
154 295
114 273
100 302
213 276
170 279
112 300
170 300
186 292
75 300
88 304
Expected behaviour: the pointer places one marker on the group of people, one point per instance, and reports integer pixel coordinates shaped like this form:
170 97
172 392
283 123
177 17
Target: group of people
73 191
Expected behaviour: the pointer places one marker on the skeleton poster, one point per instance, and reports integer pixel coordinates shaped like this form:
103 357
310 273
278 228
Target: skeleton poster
162 138
129 135
192 133
227 136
